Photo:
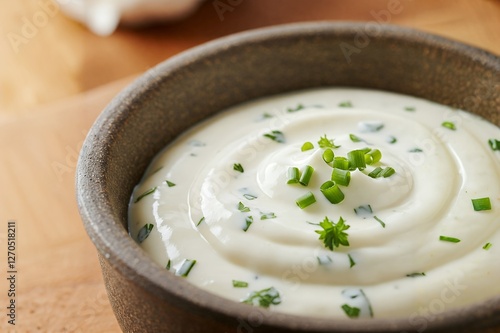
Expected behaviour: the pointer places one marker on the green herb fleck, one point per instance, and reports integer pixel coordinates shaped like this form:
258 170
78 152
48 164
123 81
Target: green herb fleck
324 142
416 274
307 146
371 126
351 312
248 222
415 150
449 125
410 108
144 232
249 196
148 192
186 267
333 234
449 239
355 138
267 216
200 221
242 208
324 260
169 183
379 221
351 261
238 167
494 144
168 265
266 115
345 104
363 210
275 135
487 246
240 284
297 108
392 139
481 204
264 298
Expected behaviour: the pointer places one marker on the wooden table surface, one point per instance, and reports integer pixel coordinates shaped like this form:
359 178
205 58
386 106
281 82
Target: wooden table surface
54 84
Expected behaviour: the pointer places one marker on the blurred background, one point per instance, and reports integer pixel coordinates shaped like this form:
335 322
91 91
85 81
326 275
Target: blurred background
56 75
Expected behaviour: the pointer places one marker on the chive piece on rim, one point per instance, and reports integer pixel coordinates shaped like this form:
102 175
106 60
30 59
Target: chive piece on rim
307 146
382 223
410 108
416 274
328 155
148 192
306 200
481 204
449 239
332 192
306 175
239 284
357 159
293 175
345 104
144 232
487 246
200 221
341 177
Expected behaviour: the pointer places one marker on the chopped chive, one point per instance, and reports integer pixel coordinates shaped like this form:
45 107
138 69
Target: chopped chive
481 204
306 200
487 246
392 139
186 267
379 221
356 159
449 125
494 144
351 312
374 156
267 115
297 108
306 175
449 239
293 175
328 155
169 183
376 172
144 232
200 221
341 177
374 126
332 192
148 192
324 260
351 261
276 135
267 216
249 196
355 138
324 142
239 284
410 108
238 167
363 210
307 146
168 265
248 222
242 208
415 150
387 172
416 274
341 163
345 104
263 298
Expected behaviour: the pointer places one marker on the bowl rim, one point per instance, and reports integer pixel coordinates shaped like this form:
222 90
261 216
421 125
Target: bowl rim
114 243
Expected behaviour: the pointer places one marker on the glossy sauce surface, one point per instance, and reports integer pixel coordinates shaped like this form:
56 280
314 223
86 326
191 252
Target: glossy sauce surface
242 223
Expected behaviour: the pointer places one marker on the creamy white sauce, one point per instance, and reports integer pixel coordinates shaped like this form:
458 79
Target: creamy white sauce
428 197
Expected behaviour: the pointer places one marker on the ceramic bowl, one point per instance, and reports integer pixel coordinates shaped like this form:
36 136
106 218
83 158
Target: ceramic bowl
196 84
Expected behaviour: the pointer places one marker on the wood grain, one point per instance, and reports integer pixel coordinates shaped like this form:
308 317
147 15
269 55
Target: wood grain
53 87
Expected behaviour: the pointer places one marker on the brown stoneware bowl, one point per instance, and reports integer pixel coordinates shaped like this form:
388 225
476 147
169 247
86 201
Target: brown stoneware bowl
196 84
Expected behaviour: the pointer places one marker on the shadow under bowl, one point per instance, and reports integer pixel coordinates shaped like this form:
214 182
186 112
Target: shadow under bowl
195 85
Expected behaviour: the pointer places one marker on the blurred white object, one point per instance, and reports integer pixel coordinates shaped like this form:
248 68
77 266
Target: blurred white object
103 16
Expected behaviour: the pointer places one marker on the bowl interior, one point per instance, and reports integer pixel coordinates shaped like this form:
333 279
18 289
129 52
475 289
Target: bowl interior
188 88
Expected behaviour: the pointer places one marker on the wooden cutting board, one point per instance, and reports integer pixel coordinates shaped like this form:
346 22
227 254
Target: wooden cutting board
59 287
